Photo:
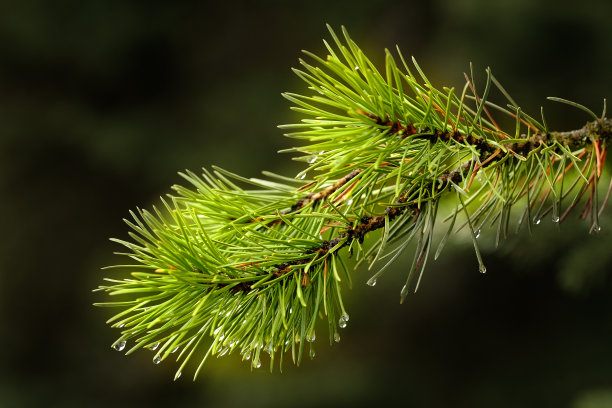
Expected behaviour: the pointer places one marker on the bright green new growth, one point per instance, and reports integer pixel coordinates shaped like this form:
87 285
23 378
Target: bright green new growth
248 265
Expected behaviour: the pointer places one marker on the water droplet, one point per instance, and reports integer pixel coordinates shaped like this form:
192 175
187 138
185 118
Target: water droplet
303 176
555 218
223 352
477 234
290 310
154 346
356 68
156 360
119 345
337 337
121 325
410 174
312 353
371 282
343 320
349 202
596 228
175 349
311 337
256 364
178 375
312 160
536 221
482 269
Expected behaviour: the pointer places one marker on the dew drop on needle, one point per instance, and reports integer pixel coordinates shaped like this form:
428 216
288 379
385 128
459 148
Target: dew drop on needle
119 345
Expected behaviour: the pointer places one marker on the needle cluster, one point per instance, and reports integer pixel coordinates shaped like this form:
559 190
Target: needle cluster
243 265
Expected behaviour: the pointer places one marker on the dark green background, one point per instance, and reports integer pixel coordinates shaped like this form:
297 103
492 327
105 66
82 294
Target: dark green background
102 102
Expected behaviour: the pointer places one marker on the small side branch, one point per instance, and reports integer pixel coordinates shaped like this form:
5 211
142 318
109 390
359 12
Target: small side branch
315 197
321 195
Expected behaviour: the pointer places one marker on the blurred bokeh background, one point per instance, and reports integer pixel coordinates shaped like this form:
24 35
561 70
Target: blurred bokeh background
102 102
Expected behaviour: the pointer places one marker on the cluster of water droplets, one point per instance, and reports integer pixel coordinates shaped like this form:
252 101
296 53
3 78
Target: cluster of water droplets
343 320
310 337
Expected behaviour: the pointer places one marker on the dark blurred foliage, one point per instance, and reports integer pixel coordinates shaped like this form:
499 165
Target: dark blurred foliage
102 102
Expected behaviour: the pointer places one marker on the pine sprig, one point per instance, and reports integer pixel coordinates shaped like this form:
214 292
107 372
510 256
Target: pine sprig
233 264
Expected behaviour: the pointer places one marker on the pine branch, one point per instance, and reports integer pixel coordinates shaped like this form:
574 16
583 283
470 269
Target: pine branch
249 265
